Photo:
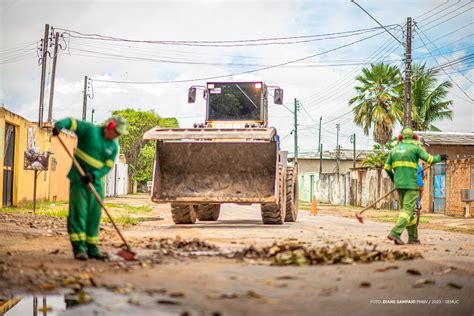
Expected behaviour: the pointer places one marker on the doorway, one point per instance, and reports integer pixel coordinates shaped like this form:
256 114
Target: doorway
8 165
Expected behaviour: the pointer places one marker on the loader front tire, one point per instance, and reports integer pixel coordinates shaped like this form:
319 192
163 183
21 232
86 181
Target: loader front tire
183 214
274 213
291 195
207 212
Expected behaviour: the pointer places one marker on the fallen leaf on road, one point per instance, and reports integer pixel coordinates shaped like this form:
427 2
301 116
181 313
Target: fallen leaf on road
78 298
453 285
419 283
47 286
253 294
177 294
134 301
168 302
413 272
445 271
327 291
387 268
54 252
365 284
286 277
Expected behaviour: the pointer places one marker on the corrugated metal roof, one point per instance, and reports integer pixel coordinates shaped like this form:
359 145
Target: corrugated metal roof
447 138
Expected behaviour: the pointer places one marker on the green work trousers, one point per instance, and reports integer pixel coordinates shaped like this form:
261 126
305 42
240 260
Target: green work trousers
84 219
406 218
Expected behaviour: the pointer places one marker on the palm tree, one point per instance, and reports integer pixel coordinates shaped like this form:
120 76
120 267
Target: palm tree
429 102
375 106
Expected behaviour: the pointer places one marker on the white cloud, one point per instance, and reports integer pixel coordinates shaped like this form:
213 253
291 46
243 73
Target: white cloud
324 91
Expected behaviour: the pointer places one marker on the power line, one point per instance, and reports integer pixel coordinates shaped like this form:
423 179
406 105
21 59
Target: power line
225 43
462 90
242 72
442 56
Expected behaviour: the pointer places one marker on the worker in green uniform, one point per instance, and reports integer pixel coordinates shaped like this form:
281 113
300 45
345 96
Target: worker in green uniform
97 148
401 166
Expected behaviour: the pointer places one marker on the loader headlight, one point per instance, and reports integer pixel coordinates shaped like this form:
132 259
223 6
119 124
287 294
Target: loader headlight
258 85
210 86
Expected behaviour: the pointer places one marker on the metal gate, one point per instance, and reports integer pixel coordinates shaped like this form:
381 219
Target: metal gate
8 165
439 187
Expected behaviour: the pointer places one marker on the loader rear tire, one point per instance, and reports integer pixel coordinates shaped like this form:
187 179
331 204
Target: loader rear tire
207 212
291 195
183 214
274 213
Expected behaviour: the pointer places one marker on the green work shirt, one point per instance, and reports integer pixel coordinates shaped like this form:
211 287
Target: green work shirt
94 152
402 163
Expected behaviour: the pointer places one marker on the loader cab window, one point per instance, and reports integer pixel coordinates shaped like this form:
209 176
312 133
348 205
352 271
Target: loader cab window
235 101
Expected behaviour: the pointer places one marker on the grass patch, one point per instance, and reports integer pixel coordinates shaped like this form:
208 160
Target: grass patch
129 208
43 204
47 212
122 219
54 213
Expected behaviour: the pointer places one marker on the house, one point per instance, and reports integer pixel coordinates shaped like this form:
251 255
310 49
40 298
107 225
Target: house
310 162
330 186
17 134
444 181
16 184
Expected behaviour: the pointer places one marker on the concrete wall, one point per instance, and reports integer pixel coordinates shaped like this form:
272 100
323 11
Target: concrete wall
369 184
329 188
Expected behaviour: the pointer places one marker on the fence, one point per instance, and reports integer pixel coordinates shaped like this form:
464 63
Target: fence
359 187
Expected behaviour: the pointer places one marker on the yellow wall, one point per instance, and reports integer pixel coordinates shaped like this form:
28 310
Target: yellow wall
49 183
59 183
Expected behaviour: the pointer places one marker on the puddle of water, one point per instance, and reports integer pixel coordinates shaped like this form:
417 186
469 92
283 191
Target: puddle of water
105 303
28 304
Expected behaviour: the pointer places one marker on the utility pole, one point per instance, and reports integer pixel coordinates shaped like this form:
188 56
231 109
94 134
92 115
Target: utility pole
53 77
321 158
92 116
353 141
407 108
84 100
320 126
43 74
295 115
338 126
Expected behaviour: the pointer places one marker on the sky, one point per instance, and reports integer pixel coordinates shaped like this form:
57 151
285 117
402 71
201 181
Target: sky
323 81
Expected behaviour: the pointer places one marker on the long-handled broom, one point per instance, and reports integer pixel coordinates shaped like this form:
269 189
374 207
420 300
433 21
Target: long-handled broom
127 254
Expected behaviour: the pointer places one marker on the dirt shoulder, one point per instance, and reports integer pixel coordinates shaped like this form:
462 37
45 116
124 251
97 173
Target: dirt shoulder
427 220
35 257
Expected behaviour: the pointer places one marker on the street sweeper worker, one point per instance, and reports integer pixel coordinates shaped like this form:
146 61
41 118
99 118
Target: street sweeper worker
401 166
97 148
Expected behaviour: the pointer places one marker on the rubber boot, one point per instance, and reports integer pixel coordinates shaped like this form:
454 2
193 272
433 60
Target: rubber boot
82 256
395 239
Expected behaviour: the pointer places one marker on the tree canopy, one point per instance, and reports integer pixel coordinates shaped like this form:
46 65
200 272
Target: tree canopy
140 155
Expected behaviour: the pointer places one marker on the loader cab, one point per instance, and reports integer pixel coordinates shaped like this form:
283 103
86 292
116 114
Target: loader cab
236 104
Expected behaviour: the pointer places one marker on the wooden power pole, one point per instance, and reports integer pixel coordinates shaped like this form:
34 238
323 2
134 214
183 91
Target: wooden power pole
407 104
295 115
53 77
43 74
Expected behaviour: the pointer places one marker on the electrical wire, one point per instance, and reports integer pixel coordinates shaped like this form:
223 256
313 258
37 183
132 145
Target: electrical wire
459 87
242 72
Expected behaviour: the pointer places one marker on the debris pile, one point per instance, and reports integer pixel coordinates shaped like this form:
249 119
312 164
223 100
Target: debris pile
180 247
296 253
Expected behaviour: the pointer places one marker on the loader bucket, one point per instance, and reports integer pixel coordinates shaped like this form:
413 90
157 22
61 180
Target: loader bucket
218 170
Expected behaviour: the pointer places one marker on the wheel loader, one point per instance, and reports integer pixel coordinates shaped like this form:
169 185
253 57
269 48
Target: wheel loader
232 157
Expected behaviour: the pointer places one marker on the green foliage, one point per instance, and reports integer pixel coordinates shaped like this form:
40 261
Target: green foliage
378 158
429 102
140 154
374 106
